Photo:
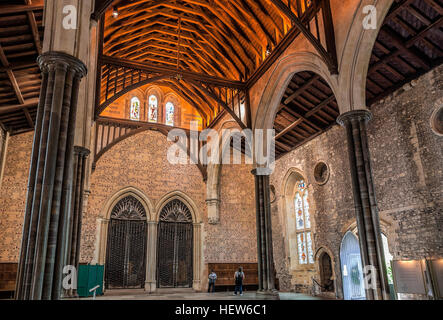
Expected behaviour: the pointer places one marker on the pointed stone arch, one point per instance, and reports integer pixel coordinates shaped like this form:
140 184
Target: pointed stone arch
318 265
279 80
102 231
356 56
287 191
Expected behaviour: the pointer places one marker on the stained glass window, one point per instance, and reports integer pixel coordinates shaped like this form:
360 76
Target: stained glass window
302 256
170 114
306 210
153 109
135 109
309 245
303 221
299 212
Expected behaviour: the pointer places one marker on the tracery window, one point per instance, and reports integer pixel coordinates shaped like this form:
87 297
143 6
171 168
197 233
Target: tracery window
303 221
170 109
153 109
135 109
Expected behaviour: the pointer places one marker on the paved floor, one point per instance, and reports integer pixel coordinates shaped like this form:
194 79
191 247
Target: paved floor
190 295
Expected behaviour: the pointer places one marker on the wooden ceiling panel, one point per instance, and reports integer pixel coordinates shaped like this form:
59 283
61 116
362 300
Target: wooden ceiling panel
233 34
308 108
21 34
409 44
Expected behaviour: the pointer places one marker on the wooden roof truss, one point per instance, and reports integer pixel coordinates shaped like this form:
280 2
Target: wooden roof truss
212 51
20 43
409 44
110 132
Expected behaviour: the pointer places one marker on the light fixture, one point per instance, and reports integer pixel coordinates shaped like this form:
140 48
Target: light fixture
115 12
268 50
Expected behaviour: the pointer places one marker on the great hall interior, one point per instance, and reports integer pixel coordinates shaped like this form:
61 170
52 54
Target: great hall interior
90 91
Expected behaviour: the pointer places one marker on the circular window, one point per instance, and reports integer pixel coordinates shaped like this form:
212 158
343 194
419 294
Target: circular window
437 120
321 173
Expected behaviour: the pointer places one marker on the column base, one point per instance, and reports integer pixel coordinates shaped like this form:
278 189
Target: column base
268 292
196 285
150 286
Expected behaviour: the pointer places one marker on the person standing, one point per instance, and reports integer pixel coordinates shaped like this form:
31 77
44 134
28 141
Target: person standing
212 279
239 278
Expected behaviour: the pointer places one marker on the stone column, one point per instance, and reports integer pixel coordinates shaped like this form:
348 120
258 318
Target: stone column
264 234
213 206
103 239
196 284
47 211
368 222
75 220
151 263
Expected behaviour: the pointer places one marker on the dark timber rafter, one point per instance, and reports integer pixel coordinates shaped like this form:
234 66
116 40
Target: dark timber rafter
120 76
329 55
110 132
209 52
409 45
20 80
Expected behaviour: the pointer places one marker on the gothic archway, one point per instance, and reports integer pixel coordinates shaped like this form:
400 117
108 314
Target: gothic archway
326 273
175 246
351 268
126 248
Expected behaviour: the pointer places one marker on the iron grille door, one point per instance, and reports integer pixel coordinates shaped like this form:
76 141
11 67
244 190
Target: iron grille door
126 258
175 263
115 263
175 239
184 263
166 255
136 258
126 250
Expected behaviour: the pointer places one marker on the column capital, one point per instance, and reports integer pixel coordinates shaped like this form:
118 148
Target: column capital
82 151
55 58
360 115
262 172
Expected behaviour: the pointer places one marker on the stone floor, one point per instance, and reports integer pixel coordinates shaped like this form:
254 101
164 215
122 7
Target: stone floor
191 295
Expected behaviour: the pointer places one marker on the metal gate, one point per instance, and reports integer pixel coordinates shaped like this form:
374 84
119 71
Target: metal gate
126 249
175 252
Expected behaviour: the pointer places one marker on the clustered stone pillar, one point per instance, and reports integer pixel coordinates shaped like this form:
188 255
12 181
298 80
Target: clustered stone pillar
45 229
368 223
151 277
264 234
75 219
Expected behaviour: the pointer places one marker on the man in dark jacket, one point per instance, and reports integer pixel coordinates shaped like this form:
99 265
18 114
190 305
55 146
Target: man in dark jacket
239 277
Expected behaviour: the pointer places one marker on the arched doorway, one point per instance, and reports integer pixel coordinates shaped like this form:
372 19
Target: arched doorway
351 268
326 273
126 248
175 246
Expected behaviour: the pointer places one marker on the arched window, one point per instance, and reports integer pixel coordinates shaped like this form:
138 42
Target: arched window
153 109
135 109
303 221
170 114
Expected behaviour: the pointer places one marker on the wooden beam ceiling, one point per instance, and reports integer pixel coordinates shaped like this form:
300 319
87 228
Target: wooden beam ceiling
21 33
409 44
226 44
308 108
